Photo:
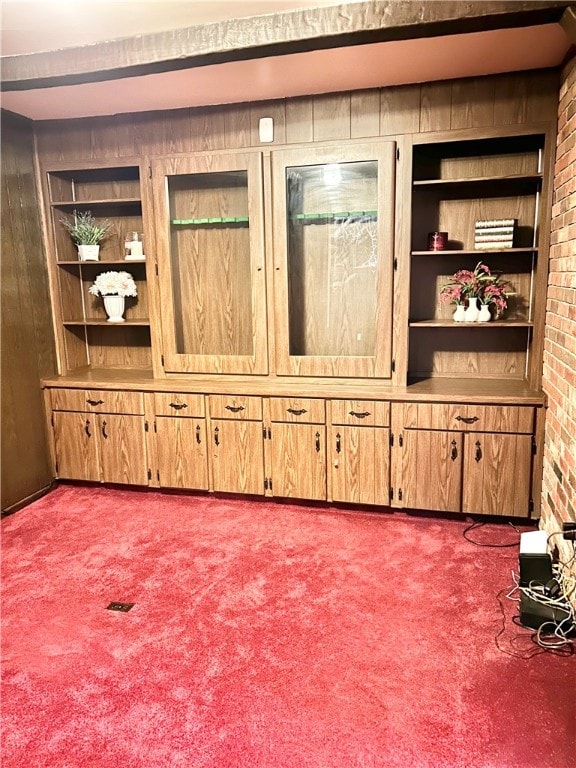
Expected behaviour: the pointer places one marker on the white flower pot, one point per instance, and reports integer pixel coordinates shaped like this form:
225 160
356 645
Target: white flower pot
484 315
114 306
458 315
89 252
472 311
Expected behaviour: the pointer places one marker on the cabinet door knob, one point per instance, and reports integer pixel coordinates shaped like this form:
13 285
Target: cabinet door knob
318 442
104 433
216 435
338 444
198 435
235 408
297 411
95 402
360 414
178 406
467 419
478 454
454 451
87 428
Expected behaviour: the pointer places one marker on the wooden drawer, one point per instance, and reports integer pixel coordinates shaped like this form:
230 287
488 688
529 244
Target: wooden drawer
292 409
469 418
179 404
235 407
97 401
358 413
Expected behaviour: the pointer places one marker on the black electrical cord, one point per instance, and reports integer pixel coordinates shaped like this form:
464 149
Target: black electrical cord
475 525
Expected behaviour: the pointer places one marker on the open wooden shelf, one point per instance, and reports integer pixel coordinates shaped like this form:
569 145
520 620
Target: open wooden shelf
119 201
101 262
143 322
514 177
474 252
452 324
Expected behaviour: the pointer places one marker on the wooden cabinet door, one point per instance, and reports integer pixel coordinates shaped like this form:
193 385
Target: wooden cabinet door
122 449
210 242
360 464
237 450
182 454
497 471
76 445
333 259
432 470
298 459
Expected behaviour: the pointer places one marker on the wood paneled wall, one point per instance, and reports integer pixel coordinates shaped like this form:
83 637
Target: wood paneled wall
27 337
489 101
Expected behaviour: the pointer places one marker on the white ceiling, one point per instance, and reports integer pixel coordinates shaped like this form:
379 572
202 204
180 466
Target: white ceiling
34 26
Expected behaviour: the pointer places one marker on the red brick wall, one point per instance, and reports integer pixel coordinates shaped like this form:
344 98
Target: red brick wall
559 382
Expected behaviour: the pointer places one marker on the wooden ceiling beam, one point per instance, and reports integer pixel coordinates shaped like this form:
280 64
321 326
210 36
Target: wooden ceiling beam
568 23
269 35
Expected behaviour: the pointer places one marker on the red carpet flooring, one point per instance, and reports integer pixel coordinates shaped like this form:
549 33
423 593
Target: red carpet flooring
267 636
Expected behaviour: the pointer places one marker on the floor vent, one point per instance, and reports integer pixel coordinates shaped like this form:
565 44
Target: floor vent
124 607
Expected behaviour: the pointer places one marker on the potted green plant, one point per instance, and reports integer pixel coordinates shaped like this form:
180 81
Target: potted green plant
87 233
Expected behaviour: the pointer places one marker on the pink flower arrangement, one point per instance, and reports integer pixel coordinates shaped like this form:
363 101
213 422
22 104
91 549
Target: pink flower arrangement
480 283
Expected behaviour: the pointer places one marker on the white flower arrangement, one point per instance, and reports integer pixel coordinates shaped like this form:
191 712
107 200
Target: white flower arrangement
114 284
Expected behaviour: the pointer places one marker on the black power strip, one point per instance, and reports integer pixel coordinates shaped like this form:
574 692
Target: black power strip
533 614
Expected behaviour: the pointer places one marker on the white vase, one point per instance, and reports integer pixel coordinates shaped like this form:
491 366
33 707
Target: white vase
458 315
114 306
484 315
88 252
472 310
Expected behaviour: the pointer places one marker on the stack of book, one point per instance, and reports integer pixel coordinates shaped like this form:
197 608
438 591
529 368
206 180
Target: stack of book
494 234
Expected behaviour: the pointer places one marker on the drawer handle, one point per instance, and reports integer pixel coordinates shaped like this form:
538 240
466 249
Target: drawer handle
235 408
338 444
198 435
360 414
95 402
87 428
454 451
478 455
467 419
318 442
216 435
297 411
104 433
178 406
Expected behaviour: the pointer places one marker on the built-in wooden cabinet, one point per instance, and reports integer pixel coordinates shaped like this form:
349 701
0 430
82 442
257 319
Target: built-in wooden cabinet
210 240
111 193
360 452
454 185
297 444
181 441
450 457
333 259
100 435
453 462
236 444
288 338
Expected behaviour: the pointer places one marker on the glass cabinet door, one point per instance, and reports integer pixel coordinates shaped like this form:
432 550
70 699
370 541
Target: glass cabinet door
211 262
334 240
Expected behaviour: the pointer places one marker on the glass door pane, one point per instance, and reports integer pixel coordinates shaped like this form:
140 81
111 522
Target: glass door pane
334 243
210 255
211 263
333 258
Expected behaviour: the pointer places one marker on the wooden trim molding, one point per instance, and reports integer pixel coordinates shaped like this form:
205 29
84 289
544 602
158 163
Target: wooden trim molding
269 35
